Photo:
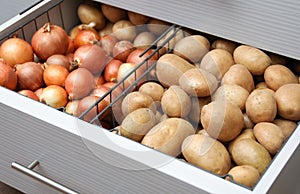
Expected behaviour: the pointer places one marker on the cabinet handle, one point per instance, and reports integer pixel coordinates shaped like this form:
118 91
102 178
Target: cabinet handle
28 170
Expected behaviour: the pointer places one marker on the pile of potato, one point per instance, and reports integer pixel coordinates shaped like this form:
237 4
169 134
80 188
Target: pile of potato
219 105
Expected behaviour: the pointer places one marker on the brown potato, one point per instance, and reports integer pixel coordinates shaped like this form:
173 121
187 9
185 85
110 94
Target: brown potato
170 68
112 13
175 102
253 58
245 174
198 82
240 75
107 30
88 14
217 62
261 106
261 85
224 44
288 98
269 135
234 94
124 30
223 121
196 107
206 153
192 48
278 75
136 100
143 40
136 124
157 26
287 127
137 18
152 89
168 135
246 133
249 152
248 124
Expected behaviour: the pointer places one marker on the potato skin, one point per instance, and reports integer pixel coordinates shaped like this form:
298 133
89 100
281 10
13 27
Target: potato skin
88 13
246 133
245 174
253 58
286 126
224 44
250 152
269 135
136 124
287 98
168 135
207 153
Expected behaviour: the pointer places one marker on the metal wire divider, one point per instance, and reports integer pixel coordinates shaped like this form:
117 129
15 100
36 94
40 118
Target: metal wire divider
173 29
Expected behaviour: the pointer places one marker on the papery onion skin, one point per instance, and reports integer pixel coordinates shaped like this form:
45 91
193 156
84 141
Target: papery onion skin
8 77
91 57
55 75
71 107
39 92
29 94
16 51
122 49
49 40
79 83
84 37
59 59
54 96
30 76
125 69
111 70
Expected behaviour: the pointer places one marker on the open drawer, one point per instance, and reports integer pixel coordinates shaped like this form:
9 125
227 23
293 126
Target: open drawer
75 156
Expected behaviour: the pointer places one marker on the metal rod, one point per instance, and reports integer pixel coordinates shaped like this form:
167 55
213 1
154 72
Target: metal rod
28 171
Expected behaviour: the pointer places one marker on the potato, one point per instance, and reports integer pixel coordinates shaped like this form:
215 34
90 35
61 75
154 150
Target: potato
196 107
175 102
246 133
224 44
137 18
107 30
240 75
136 124
261 85
136 100
217 62
223 121
288 98
278 75
168 135
152 89
192 48
261 106
245 175
248 124
287 127
206 153
253 58
170 68
249 152
112 13
157 26
234 94
198 82
143 40
124 30
88 14
269 135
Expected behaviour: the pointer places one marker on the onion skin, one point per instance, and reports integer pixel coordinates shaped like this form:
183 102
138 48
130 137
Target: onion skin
84 37
8 77
79 83
50 40
29 94
91 57
99 80
39 92
111 70
30 76
122 49
107 43
16 51
54 96
55 75
134 57
71 107
59 59
127 68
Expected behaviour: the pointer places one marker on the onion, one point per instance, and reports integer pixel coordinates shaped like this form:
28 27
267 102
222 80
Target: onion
50 40
79 83
8 77
122 49
84 37
54 96
30 75
16 51
29 94
71 107
39 92
55 75
100 91
86 103
99 80
91 57
71 45
125 69
107 43
134 57
59 59
111 70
